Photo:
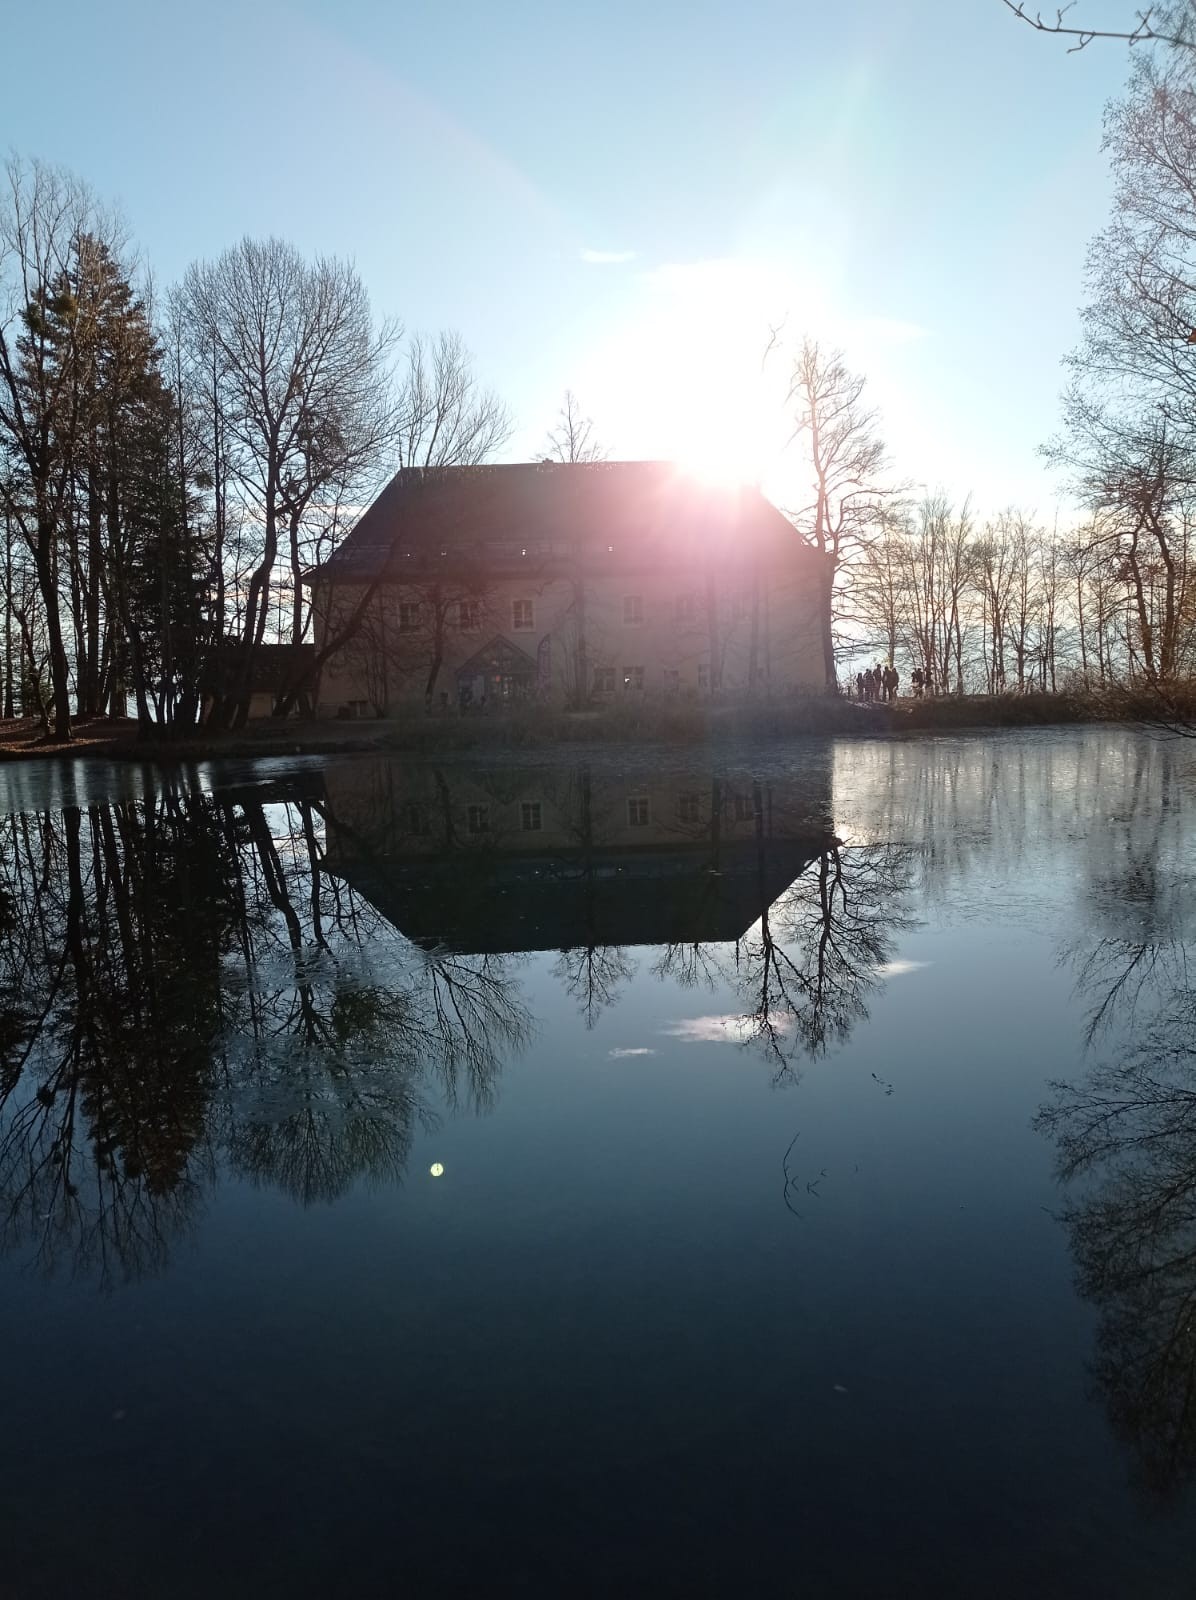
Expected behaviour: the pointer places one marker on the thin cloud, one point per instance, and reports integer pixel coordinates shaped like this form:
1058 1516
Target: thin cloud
897 969
630 1050
606 258
718 1030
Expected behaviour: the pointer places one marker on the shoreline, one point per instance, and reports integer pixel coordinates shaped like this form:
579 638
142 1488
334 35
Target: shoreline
656 723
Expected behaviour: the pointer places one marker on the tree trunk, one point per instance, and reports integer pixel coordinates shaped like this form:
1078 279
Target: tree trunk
59 671
89 687
828 625
9 608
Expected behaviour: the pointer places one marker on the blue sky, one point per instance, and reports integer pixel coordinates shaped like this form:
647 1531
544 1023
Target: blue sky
623 198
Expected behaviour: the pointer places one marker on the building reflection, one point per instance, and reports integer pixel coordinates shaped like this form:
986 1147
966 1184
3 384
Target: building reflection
535 859
733 880
285 981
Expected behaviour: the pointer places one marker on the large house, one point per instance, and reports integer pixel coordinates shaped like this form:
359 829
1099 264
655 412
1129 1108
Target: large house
565 583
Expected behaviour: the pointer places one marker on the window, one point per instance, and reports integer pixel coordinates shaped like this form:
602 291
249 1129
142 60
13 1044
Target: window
637 811
745 807
604 680
703 675
469 616
415 818
689 808
633 678
633 610
684 608
672 679
523 616
479 819
533 819
408 616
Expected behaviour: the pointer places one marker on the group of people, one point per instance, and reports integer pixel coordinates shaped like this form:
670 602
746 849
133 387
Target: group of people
877 683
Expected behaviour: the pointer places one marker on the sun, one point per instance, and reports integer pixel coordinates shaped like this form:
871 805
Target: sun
721 458
687 377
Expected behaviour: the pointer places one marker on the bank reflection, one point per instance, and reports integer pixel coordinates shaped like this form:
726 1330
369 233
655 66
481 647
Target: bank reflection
1125 1131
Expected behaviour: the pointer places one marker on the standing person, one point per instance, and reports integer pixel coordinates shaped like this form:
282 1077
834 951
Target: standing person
861 687
916 681
892 679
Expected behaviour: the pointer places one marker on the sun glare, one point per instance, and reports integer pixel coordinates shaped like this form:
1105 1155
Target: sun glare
687 377
715 470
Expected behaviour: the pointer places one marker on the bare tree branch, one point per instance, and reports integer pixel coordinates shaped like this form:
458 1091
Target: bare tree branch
573 437
1154 25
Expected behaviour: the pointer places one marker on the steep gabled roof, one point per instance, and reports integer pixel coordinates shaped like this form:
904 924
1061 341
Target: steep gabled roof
541 512
484 902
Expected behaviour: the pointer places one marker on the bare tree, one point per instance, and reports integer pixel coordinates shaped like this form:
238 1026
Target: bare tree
446 418
941 571
302 385
847 462
1129 440
882 588
573 437
1138 474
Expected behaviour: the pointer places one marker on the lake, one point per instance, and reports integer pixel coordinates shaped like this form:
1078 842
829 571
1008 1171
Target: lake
662 1173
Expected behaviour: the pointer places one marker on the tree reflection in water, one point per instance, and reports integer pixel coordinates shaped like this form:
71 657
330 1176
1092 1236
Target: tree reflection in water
279 981
183 985
1125 1137
816 956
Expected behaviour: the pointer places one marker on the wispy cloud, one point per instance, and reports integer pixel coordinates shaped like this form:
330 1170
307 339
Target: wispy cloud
715 1030
606 258
630 1050
896 969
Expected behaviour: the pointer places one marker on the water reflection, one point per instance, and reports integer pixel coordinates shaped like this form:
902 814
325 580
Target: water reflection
737 883
1126 1137
282 980
184 986
1125 1132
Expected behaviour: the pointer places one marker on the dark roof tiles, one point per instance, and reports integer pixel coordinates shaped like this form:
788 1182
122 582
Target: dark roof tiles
538 511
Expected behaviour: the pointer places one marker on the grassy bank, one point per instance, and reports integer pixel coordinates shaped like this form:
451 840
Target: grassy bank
650 722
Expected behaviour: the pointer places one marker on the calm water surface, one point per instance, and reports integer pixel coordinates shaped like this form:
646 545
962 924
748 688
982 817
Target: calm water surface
657 1176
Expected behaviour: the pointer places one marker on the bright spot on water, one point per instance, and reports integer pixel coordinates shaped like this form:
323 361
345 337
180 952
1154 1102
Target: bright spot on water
436 1169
